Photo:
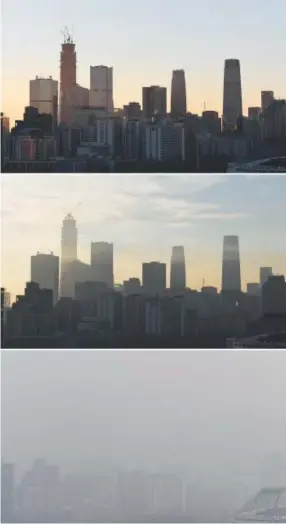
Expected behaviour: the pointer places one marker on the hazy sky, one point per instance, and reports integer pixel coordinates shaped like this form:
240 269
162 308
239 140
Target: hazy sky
145 215
144 41
215 412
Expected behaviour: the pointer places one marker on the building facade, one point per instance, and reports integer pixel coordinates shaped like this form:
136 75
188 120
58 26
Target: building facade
44 96
178 269
101 88
45 271
154 101
232 94
178 94
231 279
101 261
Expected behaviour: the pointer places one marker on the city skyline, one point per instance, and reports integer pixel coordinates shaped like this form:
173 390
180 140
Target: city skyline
144 218
125 49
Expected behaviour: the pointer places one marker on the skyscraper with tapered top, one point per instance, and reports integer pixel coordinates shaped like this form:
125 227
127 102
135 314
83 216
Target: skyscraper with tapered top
178 94
231 279
178 269
68 254
232 95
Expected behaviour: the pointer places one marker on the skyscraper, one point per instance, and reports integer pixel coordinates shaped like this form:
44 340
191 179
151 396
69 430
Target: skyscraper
68 254
267 98
231 280
45 271
154 101
154 277
232 96
265 273
67 78
178 94
44 96
101 88
101 261
178 269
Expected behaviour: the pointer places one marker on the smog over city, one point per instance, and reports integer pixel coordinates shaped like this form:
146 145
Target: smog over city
130 436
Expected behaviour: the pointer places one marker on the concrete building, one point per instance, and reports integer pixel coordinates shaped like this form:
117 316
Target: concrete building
67 79
132 110
274 296
154 277
231 280
101 88
45 271
178 94
154 101
44 96
254 113
178 269
164 140
232 95
101 261
132 286
274 121
253 289
211 122
267 98
265 273
68 254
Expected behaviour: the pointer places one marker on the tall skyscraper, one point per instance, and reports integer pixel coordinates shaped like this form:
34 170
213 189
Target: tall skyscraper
154 101
154 277
178 269
101 88
44 96
178 94
231 280
68 254
232 95
265 273
267 98
67 78
101 262
45 271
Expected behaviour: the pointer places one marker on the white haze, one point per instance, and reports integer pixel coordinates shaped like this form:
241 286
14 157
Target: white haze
219 417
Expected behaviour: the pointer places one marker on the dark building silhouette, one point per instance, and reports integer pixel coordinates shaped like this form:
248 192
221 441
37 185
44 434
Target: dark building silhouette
178 269
178 94
154 100
132 110
45 271
67 78
231 280
267 97
68 254
154 277
101 262
232 95
265 273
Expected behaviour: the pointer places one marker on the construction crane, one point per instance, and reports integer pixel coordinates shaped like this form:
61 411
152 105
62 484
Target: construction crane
67 36
73 210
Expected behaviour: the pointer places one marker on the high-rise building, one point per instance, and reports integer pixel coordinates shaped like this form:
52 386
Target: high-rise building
232 95
164 140
253 288
68 254
178 94
67 79
44 96
101 88
178 269
154 277
254 113
45 271
274 296
101 261
265 273
231 280
154 101
267 98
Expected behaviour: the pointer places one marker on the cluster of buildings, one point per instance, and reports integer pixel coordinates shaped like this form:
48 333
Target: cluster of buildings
69 296
71 121
43 494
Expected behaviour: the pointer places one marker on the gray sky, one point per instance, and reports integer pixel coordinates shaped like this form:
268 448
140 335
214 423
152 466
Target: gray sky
202 411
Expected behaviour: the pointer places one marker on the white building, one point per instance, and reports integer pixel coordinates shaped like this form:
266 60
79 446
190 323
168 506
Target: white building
101 88
165 140
44 96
